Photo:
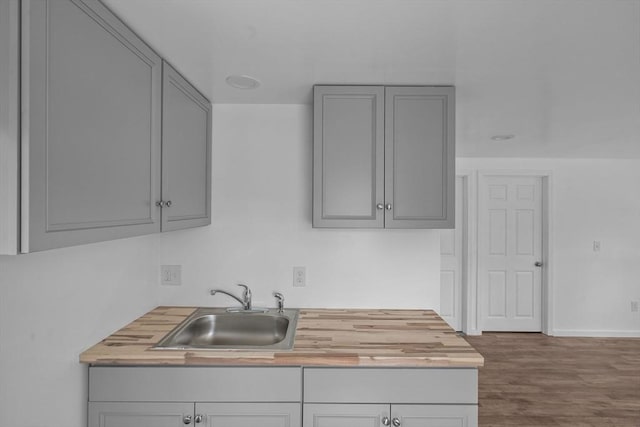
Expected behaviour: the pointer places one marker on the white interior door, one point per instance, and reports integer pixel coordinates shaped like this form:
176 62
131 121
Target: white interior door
509 247
451 265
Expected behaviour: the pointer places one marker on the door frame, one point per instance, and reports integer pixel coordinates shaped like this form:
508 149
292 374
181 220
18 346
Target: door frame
468 287
547 300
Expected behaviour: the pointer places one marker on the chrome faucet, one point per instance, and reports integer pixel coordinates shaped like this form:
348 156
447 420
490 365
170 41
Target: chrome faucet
246 296
280 301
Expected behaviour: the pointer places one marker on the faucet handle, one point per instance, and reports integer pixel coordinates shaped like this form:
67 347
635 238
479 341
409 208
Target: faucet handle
280 301
246 296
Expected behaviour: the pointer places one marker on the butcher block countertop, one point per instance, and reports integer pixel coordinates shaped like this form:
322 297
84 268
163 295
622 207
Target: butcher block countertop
324 337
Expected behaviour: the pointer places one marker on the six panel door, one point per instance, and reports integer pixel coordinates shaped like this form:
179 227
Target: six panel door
510 245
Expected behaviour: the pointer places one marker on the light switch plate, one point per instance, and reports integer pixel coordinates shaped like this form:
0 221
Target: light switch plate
171 275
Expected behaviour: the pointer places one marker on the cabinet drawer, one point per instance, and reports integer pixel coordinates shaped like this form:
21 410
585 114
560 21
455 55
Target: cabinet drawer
194 384
392 385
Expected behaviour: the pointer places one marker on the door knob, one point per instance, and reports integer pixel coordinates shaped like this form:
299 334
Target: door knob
538 264
386 421
186 419
396 422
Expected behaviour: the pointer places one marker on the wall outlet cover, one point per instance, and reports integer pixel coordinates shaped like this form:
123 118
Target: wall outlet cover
171 275
299 277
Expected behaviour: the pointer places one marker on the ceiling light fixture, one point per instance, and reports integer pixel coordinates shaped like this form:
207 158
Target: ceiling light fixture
502 137
242 82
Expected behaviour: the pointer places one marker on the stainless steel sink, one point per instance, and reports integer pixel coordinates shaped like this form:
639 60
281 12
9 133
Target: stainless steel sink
218 328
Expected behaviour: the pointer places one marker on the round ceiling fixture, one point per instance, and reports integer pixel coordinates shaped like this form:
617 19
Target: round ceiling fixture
502 137
242 82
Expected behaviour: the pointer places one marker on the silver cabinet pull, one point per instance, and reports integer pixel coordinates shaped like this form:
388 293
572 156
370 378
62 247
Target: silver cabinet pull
186 419
380 206
396 422
199 418
386 421
168 203
388 206
160 204
538 264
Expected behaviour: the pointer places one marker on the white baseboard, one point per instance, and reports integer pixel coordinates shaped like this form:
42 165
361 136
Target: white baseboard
595 333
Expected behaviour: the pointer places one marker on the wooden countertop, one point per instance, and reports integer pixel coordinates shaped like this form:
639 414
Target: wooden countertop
324 337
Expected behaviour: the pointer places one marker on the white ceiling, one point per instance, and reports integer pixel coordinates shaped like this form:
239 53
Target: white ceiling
562 75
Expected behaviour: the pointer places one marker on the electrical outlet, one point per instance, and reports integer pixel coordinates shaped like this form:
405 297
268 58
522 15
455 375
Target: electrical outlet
596 246
634 306
299 277
171 275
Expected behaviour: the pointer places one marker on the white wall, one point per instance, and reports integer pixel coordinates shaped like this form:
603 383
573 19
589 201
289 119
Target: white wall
262 162
590 200
54 305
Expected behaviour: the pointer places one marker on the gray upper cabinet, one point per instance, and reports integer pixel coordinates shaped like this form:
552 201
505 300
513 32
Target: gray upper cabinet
383 157
348 156
83 157
186 154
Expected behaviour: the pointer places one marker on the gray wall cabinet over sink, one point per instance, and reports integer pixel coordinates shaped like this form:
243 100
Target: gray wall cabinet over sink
111 141
383 156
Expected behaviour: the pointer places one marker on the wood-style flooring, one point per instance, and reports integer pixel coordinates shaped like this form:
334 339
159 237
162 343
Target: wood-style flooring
532 380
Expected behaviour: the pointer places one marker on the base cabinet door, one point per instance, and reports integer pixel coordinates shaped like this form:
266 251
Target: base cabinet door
248 414
434 415
375 415
345 415
129 414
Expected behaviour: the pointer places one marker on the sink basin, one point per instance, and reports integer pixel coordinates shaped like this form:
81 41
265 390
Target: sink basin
218 328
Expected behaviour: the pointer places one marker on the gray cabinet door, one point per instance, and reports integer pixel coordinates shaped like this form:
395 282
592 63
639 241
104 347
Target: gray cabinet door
435 415
348 164
249 414
108 414
91 98
419 157
186 153
345 415
9 126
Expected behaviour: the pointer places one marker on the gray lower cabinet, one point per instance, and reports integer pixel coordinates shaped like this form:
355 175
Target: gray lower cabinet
383 157
139 414
273 397
177 414
372 397
197 396
377 415
82 156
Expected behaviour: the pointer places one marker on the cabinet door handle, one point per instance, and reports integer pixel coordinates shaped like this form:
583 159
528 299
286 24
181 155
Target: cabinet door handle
160 204
199 418
396 422
388 207
380 206
386 421
538 264
186 419
168 203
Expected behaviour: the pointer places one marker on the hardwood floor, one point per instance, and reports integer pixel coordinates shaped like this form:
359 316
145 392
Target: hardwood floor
532 380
